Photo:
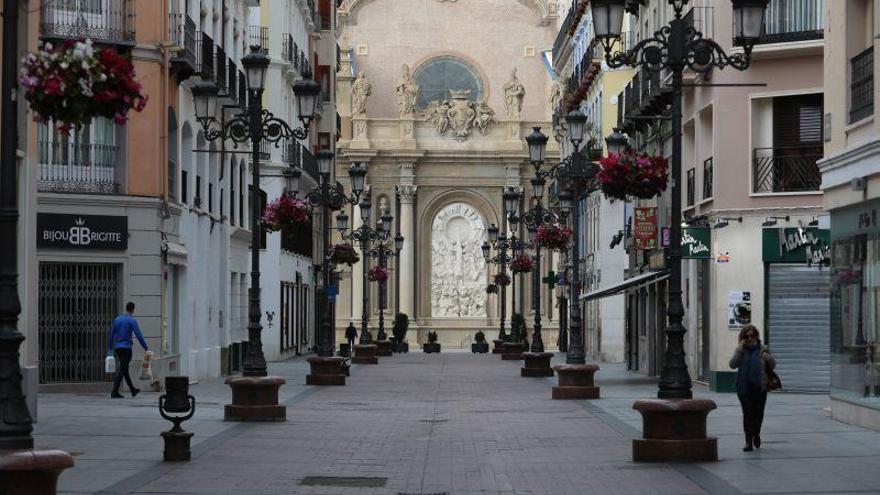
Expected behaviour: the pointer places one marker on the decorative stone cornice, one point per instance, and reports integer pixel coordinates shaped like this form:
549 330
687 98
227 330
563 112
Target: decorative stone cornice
546 10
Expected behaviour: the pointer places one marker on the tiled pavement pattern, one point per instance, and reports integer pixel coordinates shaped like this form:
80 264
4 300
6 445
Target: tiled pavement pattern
451 423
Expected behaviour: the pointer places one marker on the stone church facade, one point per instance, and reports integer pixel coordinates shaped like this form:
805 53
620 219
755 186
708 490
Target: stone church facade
436 97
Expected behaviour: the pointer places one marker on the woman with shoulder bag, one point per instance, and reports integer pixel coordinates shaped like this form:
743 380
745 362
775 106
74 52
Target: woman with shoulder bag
753 365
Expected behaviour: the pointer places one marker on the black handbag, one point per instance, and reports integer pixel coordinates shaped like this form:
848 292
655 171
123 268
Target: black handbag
773 381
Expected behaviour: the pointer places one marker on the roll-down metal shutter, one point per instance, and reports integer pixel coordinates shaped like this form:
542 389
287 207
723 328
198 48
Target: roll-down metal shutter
798 326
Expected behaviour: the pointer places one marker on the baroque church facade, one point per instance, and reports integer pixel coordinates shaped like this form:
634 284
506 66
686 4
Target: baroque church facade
436 97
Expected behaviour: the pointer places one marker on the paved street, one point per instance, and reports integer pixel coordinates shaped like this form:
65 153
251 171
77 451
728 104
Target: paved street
452 423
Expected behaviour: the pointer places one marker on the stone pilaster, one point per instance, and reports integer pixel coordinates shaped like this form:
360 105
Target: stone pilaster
407 194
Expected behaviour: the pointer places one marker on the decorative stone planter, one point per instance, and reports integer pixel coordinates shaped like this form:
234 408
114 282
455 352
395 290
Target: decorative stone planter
512 351
365 354
32 472
402 347
575 382
537 364
480 347
255 398
674 430
384 348
431 347
498 346
326 371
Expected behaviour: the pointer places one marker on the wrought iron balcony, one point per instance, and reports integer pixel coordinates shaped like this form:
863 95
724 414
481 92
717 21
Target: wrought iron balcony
788 169
791 20
232 80
258 36
221 74
297 155
691 186
242 90
287 48
78 168
183 34
708 177
106 21
205 62
861 86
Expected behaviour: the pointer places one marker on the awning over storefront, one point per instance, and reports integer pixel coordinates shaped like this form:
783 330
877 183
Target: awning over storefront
637 281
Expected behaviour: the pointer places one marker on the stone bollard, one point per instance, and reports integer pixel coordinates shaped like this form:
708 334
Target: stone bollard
176 400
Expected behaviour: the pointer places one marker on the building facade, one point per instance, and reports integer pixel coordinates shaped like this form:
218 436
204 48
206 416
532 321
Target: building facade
851 186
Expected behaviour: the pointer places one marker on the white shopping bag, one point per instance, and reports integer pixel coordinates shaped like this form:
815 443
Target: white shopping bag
147 367
110 364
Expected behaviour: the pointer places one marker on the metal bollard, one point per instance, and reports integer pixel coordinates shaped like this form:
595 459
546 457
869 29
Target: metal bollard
176 400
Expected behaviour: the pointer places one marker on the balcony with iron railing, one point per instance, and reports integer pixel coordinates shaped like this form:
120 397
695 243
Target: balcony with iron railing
791 20
205 61
104 21
787 169
708 177
691 186
258 36
231 81
861 86
75 167
221 74
242 90
182 32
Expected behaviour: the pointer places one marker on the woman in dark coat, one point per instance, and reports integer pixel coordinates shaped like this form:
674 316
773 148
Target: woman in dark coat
751 362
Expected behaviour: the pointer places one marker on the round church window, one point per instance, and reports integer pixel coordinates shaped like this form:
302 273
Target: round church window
438 77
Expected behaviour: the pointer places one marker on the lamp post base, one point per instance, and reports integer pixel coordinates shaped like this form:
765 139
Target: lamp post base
674 430
384 348
326 371
512 351
176 446
537 364
32 472
575 382
255 398
498 346
365 354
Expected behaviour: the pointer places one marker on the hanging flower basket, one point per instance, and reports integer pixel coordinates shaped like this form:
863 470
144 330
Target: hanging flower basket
522 264
554 237
285 212
633 174
502 279
343 254
491 289
74 82
847 276
377 274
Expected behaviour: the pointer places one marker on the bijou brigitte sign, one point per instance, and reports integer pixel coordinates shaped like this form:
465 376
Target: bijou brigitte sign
82 231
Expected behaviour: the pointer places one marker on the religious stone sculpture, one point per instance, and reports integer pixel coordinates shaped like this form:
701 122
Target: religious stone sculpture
458 270
460 115
360 90
514 92
407 92
557 94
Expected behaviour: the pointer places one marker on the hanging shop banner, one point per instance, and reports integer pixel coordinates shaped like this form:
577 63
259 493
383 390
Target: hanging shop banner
739 309
797 245
645 228
696 243
82 231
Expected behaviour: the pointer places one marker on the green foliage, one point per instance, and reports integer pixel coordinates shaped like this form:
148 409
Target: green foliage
518 328
480 337
401 325
432 337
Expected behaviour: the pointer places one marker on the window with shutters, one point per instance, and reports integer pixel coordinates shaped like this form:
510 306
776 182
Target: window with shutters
790 164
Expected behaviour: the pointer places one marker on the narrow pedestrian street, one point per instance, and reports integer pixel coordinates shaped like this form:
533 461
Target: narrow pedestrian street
454 423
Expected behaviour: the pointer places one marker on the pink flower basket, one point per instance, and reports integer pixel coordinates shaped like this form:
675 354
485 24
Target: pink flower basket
521 264
377 274
554 237
502 279
344 254
285 212
632 174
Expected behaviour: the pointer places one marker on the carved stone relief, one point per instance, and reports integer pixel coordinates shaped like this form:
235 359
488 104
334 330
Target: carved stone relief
460 115
458 270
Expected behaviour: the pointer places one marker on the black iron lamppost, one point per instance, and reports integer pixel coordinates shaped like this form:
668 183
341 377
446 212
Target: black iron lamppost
256 125
502 245
382 252
675 48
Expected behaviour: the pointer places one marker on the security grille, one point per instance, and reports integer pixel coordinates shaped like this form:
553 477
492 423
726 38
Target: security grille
78 302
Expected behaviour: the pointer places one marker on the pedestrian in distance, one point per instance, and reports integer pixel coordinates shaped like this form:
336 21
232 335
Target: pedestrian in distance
350 335
752 363
120 343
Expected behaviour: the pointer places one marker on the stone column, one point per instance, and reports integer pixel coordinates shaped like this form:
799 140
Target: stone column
357 273
407 254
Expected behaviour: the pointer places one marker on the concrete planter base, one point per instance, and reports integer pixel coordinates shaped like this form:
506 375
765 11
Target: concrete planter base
674 430
384 348
512 351
575 382
32 472
497 346
326 371
365 354
537 364
431 347
255 398
480 347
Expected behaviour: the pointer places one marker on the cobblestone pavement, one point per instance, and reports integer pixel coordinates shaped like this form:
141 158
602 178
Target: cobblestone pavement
452 423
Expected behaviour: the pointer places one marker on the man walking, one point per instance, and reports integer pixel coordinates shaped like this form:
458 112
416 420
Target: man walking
121 343
350 335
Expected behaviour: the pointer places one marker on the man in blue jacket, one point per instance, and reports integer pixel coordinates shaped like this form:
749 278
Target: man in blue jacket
120 342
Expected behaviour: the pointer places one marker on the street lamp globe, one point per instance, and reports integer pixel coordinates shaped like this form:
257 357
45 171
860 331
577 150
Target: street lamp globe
291 179
205 102
538 187
398 242
748 20
493 233
537 146
576 123
616 142
532 233
564 199
386 222
366 206
485 248
255 66
306 92
608 19
325 161
358 174
342 222
511 202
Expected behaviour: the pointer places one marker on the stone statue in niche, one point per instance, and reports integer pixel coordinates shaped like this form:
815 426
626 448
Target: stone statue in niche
557 94
407 93
514 92
458 270
360 90
383 205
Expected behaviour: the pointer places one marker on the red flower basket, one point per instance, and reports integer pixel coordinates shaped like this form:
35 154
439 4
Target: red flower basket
377 274
284 212
633 174
343 254
502 279
554 237
491 289
522 264
73 82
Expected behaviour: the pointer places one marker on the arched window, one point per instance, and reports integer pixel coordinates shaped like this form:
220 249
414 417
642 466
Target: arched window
438 76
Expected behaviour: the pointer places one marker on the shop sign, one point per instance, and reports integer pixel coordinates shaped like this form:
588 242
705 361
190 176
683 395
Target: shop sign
797 245
857 219
696 243
645 221
739 309
82 231
665 237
